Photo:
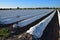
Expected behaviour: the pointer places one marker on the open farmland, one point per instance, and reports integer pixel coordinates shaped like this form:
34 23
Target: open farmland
41 24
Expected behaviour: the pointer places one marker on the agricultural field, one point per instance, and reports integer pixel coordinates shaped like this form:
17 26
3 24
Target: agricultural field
31 23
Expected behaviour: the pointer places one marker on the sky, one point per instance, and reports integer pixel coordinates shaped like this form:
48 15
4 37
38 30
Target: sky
29 3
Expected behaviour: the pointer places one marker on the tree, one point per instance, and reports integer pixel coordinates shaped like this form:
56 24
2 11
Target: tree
17 7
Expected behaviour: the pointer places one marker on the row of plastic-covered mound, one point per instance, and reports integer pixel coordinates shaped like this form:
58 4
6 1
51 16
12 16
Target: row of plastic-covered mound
27 18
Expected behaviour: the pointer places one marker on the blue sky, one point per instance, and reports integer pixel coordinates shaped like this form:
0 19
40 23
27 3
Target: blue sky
29 3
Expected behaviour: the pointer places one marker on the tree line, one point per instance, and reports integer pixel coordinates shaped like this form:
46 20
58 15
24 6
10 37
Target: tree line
18 8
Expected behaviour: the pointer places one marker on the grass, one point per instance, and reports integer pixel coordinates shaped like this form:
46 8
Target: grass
4 33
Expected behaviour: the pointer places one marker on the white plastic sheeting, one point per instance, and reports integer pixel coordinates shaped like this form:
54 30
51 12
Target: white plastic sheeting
28 21
14 13
59 17
6 18
38 29
12 20
11 13
7 14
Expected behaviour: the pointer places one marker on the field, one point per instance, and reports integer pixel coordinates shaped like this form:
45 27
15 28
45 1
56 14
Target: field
14 23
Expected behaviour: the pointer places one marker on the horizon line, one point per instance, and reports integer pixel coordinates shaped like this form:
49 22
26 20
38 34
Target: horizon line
28 7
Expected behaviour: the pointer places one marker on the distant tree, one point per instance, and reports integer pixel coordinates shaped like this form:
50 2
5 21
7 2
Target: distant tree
10 8
0 8
17 7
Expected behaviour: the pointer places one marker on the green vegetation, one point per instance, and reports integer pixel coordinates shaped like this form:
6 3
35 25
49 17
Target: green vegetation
4 33
59 9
